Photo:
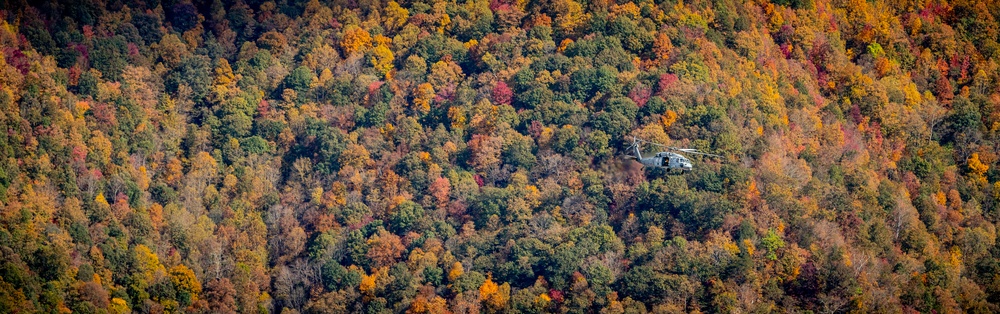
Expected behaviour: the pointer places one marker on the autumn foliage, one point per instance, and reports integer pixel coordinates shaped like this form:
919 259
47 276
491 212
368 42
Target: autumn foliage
326 156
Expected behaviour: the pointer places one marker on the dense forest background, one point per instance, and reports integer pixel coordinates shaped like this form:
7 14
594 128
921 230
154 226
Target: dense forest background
443 156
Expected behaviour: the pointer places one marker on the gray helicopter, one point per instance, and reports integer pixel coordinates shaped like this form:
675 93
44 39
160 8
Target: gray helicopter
665 159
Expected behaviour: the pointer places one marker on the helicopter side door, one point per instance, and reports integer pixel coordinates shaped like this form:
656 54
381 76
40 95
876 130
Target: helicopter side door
662 160
675 162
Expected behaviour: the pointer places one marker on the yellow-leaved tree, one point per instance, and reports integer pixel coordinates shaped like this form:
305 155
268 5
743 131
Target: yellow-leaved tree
148 264
977 169
493 296
395 16
382 60
355 40
422 97
186 283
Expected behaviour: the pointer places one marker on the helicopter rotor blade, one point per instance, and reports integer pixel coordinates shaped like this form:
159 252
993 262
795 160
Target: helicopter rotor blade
706 154
694 152
648 142
684 150
637 141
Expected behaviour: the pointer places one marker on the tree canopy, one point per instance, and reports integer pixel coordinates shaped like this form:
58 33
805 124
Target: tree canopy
447 156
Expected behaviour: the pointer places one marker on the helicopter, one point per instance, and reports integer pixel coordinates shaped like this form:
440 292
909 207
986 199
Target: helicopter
668 160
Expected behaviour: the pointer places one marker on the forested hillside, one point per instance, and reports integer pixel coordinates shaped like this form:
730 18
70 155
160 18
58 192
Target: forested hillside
462 156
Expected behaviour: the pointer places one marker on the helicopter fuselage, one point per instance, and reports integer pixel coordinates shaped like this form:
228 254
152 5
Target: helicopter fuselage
664 159
668 160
